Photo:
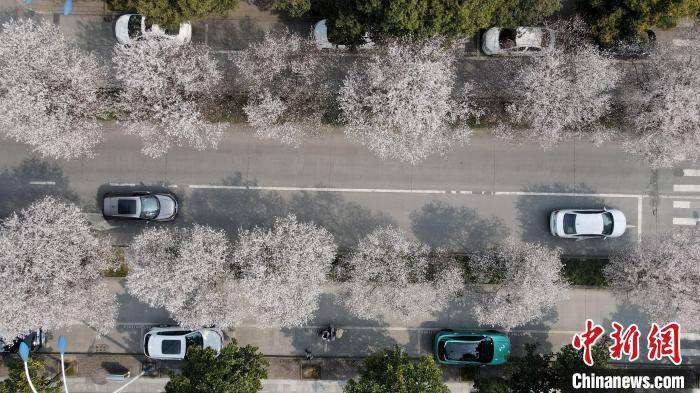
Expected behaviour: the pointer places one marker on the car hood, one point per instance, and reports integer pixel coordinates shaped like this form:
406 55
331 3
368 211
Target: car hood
168 207
619 223
321 35
528 37
490 41
501 349
213 339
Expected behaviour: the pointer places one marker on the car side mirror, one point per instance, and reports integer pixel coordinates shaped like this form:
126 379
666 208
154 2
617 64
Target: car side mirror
605 208
605 238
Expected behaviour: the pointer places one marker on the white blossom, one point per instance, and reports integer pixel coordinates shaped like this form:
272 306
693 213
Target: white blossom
161 80
402 103
390 275
662 276
48 90
182 270
665 112
50 270
523 282
282 270
285 77
561 94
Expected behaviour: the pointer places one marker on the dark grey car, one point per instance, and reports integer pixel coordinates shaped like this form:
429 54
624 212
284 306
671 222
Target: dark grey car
140 206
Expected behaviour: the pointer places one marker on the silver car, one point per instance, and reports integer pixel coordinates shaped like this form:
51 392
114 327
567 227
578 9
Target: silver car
587 223
140 206
523 41
130 28
171 343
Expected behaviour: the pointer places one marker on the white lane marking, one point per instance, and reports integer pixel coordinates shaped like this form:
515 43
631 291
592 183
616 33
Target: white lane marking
690 336
172 186
122 184
43 183
319 189
421 191
691 172
685 221
681 204
686 188
639 219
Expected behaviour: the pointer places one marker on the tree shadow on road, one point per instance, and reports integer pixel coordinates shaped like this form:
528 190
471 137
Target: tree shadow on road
361 337
16 191
456 228
347 221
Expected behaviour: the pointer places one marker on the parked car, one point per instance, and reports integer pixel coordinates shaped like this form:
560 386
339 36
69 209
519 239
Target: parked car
140 205
523 41
473 348
132 27
171 343
322 42
587 223
35 339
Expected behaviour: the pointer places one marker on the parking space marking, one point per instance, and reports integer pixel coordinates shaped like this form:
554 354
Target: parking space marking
325 189
691 172
43 183
639 219
122 184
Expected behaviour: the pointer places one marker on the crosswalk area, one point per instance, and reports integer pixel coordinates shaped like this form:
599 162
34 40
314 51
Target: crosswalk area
686 212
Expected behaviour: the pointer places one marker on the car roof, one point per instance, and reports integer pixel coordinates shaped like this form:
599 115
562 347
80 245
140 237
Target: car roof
589 223
530 37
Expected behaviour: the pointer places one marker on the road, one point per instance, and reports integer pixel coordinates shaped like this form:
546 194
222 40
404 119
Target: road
475 195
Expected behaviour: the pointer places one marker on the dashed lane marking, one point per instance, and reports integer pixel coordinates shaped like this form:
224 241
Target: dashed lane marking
681 204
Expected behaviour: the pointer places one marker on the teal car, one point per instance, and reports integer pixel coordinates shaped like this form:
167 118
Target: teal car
472 348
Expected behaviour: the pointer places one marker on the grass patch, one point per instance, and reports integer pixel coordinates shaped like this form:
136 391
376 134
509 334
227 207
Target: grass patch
587 272
121 269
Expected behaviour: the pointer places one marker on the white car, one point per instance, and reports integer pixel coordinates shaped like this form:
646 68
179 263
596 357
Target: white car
524 41
132 27
171 343
587 223
321 38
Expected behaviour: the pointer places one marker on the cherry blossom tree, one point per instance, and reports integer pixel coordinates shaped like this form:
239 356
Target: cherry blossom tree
282 270
403 103
50 269
182 270
286 79
662 276
665 112
519 282
48 90
562 94
161 81
391 275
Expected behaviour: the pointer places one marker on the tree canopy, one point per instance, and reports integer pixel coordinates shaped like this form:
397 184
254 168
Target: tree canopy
235 369
613 20
16 381
170 13
391 371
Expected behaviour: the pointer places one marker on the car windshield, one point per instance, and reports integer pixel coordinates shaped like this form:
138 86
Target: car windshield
607 223
468 349
194 339
570 224
149 206
135 27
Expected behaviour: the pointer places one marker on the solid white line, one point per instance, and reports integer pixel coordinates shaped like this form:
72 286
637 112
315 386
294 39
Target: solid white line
690 336
319 189
43 183
681 204
639 219
691 172
686 188
685 221
569 194
122 184
172 186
